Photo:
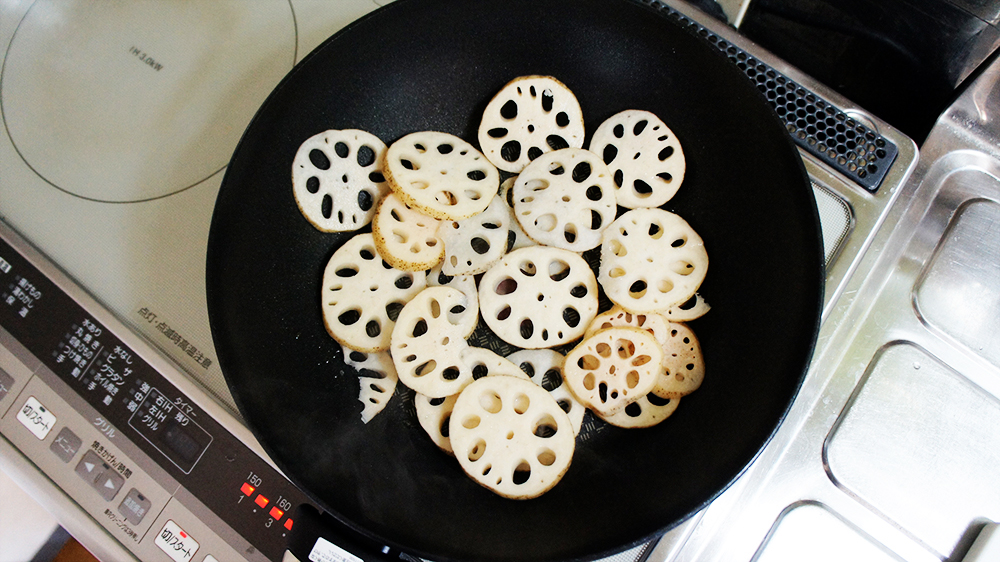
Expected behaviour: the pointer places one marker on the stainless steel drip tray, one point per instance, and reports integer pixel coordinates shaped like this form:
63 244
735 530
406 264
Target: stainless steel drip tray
892 451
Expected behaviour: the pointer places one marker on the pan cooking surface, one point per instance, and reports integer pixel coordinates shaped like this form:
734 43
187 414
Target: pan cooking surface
427 65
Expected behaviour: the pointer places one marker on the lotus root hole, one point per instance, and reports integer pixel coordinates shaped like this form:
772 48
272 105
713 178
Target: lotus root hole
626 348
616 272
682 268
506 286
637 290
632 379
435 308
490 402
477 450
446 198
641 360
665 286
522 473
589 363
521 403
546 222
547 457
546 426
679 242
558 270
589 381
425 368
603 349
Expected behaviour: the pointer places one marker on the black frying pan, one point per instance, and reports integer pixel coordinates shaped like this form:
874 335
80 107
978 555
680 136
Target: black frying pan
426 64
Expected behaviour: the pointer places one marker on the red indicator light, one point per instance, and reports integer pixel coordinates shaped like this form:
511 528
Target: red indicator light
288 524
276 513
261 501
247 489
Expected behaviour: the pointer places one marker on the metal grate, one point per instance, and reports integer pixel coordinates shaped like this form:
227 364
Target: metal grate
816 125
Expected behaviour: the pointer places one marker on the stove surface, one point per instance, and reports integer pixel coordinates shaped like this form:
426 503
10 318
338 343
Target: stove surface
128 220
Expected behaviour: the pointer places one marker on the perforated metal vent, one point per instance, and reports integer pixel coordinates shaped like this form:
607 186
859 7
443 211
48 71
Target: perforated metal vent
816 125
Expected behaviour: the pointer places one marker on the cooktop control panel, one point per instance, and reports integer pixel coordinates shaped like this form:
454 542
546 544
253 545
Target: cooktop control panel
93 408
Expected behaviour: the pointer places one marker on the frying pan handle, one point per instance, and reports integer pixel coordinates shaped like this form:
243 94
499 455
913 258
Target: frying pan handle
321 538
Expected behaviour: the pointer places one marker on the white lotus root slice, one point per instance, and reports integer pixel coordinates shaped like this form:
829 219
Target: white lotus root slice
647 411
538 297
406 238
516 237
528 117
544 366
361 295
427 343
652 322
691 309
683 363
337 179
434 415
377 379
644 156
440 175
474 244
466 284
484 363
565 199
511 437
613 367
651 260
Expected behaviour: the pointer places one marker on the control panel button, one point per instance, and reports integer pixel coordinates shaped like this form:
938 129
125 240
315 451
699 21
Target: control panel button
134 506
37 418
90 467
109 483
6 383
176 543
66 444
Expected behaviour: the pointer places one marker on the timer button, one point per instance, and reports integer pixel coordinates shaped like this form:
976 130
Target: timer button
90 467
109 483
134 506
65 445
6 383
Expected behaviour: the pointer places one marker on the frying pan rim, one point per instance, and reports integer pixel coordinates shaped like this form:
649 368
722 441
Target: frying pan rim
223 358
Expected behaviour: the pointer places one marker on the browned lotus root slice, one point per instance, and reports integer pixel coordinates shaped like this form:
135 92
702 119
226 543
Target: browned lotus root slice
613 367
651 260
474 244
538 297
484 363
434 415
644 156
516 237
511 437
361 294
406 238
691 309
440 175
544 366
377 378
647 411
427 343
528 117
565 199
464 283
684 365
337 179
652 322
